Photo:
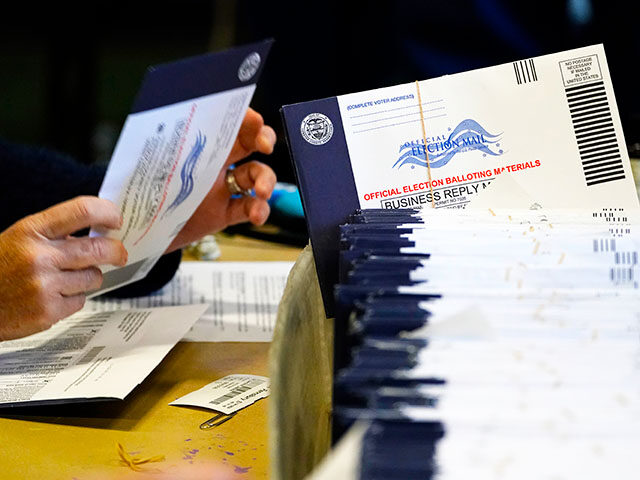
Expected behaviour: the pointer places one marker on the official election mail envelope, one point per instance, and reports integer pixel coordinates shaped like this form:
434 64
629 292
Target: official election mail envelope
551 122
172 147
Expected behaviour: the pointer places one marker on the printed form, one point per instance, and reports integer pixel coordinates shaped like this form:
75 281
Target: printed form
99 355
242 299
172 148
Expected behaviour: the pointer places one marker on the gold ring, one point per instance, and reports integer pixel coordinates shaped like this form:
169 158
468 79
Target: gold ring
232 185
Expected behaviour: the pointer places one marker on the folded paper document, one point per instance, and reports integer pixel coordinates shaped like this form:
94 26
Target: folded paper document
550 122
172 147
91 355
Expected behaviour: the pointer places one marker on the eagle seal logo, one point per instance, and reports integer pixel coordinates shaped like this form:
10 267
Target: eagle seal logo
316 129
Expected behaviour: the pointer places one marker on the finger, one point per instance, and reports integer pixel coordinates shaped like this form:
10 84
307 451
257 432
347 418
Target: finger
257 176
245 209
84 252
250 129
266 140
253 136
73 215
57 308
70 305
74 282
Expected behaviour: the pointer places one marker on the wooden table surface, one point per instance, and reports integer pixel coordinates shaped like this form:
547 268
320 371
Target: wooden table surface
80 441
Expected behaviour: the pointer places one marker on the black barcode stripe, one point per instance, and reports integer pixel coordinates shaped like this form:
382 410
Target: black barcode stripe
594 105
580 124
584 135
589 99
590 112
590 116
599 146
581 87
601 159
593 169
525 71
586 89
593 174
598 165
605 180
596 139
589 128
597 154
533 70
610 171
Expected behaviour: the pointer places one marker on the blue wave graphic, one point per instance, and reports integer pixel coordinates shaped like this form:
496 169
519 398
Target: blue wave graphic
186 174
468 135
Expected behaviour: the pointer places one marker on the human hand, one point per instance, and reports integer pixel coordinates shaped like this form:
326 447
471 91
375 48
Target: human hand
218 210
44 272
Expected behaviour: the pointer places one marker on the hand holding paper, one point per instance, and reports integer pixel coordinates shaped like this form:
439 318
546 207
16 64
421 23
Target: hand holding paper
45 273
188 124
218 209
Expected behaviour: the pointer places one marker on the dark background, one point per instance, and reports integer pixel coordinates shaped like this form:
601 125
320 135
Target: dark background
69 76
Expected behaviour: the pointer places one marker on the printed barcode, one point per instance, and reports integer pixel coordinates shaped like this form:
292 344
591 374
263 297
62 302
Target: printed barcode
91 354
525 71
621 275
615 215
626 258
240 389
595 134
604 245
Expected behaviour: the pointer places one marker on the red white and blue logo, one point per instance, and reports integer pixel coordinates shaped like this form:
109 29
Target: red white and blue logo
468 136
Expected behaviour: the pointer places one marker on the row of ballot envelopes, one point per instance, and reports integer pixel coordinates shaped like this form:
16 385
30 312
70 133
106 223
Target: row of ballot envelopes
491 343
485 291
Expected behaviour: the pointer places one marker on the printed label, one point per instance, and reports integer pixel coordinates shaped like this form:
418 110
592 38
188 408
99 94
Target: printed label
580 70
229 394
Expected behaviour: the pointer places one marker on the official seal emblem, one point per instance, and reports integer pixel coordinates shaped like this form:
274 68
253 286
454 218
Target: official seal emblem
249 67
316 129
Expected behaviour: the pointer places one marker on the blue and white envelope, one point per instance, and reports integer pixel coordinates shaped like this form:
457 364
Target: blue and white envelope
550 122
172 147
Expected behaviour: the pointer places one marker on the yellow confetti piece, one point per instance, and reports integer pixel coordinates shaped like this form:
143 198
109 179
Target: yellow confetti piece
536 248
134 462
492 212
561 259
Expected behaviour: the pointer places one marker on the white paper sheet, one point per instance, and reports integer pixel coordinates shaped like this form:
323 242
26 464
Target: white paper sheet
243 299
91 355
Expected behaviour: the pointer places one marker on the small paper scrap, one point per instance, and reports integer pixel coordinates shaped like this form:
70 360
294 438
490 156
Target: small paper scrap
228 394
